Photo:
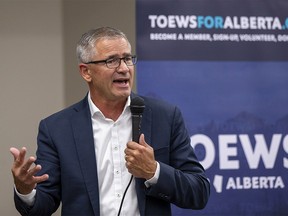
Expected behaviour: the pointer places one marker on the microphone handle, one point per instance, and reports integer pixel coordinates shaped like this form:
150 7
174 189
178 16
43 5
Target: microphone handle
136 126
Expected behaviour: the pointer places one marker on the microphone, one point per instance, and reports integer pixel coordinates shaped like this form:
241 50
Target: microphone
137 107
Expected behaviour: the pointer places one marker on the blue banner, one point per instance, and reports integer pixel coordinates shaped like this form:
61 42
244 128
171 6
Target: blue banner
225 64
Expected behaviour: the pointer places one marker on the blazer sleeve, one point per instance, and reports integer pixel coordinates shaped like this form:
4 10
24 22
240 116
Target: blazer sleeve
182 179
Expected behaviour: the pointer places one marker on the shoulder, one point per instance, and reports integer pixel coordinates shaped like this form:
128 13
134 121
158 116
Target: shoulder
159 104
161 110
69 111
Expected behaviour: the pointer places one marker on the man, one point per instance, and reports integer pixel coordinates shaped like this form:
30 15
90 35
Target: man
85 156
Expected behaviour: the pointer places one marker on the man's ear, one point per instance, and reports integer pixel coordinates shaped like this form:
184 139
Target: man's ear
85 72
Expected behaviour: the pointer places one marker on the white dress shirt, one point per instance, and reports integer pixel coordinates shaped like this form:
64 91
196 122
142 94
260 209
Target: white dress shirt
110 139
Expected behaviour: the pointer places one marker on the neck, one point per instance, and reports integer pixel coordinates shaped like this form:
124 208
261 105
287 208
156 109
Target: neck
110 109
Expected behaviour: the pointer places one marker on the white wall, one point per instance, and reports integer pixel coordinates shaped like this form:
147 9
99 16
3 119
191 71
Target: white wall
38 69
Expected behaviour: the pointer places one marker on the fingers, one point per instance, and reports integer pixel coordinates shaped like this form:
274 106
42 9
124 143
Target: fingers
139 158
19 156
134 145
129 163
15 152
134 148
20 159
26 166
38 179
31 172
24 171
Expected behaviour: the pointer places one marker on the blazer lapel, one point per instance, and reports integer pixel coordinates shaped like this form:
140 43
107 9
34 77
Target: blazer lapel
83 135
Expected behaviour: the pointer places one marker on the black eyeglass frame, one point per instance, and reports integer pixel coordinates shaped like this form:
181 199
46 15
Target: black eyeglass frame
133 59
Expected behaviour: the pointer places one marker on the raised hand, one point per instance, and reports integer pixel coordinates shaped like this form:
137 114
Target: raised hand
24 171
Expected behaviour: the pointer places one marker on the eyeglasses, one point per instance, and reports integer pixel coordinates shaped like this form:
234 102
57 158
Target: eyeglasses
115 62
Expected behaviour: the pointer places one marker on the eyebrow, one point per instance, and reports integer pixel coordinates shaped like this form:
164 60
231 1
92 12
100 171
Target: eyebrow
117 56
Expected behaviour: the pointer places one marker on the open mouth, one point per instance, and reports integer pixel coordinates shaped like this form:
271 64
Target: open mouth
121 81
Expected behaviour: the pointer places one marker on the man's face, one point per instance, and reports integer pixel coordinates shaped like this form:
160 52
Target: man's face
110 84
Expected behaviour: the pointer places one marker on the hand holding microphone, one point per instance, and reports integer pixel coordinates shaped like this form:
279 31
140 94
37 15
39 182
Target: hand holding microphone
139 156
140 160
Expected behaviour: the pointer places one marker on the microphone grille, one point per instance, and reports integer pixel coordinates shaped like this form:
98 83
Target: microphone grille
137 105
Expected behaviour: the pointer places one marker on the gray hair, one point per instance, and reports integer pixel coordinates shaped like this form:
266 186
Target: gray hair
85 47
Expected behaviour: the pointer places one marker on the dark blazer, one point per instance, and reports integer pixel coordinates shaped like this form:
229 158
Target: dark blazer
66 152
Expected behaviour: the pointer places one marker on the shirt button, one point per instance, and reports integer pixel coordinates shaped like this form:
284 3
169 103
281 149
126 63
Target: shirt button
117 172
118 195
115 148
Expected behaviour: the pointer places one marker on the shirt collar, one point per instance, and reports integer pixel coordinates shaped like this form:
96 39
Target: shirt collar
94 109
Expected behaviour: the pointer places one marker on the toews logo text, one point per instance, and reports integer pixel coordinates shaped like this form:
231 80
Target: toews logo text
255 151
218 22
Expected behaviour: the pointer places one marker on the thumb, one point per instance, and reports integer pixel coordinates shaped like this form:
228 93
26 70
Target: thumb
142 140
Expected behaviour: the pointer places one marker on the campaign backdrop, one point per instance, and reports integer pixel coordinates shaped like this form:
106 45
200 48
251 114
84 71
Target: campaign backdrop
225 64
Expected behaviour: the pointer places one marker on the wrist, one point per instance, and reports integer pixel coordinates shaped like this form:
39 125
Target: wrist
22 190
154 179
29 199
151 174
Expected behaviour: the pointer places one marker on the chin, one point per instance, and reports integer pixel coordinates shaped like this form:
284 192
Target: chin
123 94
